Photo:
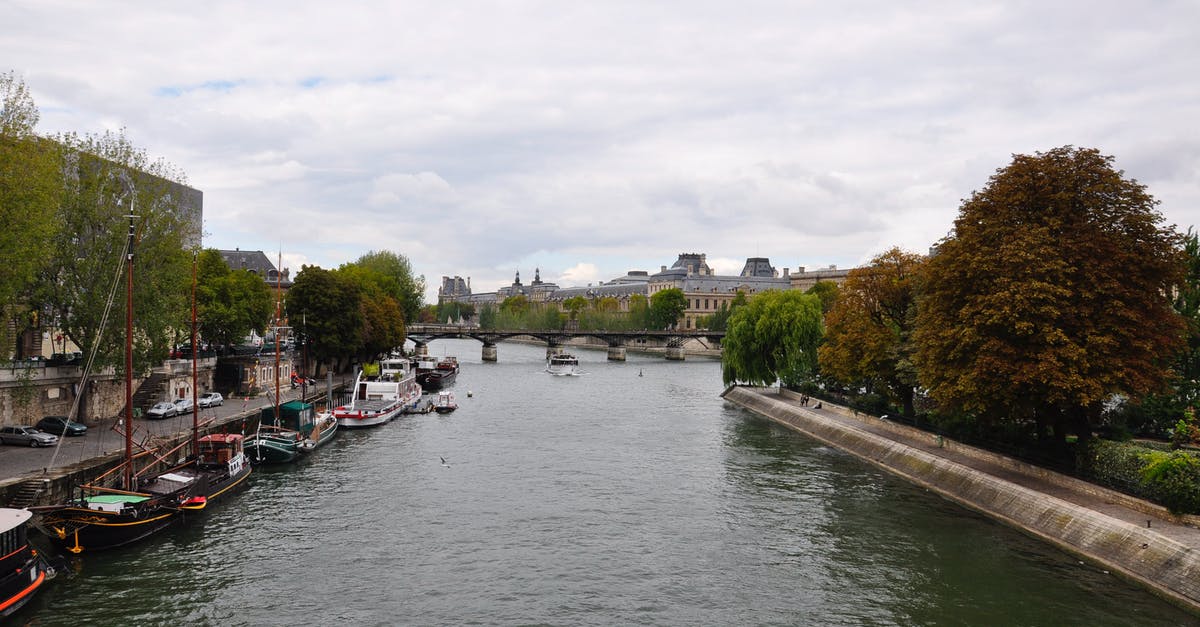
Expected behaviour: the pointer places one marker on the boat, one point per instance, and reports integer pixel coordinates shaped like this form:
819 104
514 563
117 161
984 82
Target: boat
382 392
442 375
279 434
445 402
324 429
562 364
22 570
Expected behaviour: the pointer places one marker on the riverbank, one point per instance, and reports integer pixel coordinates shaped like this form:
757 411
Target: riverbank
1132 538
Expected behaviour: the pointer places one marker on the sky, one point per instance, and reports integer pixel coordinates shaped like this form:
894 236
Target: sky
587 139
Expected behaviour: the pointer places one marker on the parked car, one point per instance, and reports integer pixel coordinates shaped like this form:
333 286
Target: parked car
211 399
61 425
183 406
26 436
161 410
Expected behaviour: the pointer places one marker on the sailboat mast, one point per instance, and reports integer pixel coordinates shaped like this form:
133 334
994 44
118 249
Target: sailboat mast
129 352
195 389
278 327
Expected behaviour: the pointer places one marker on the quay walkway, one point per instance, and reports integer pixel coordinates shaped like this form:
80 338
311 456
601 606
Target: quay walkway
103 444
1130 537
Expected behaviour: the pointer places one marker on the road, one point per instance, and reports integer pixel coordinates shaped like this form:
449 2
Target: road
103 438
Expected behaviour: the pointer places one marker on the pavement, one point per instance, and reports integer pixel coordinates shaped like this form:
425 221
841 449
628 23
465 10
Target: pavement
109 437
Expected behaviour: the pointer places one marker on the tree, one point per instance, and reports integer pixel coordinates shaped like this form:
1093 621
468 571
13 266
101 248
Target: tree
1050 295
230 303
574 305
719 321
773 338
105 177
30 182
382 315
666 306
331 312
487 317
827 291
639 311
868 332
408 289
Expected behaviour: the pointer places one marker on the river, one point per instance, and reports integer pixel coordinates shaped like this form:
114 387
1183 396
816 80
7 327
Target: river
630 495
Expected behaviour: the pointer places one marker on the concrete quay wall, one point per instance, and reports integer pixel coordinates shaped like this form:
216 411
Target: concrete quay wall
1160 563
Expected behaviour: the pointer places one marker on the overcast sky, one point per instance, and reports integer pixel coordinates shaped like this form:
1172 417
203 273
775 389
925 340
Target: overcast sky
592 138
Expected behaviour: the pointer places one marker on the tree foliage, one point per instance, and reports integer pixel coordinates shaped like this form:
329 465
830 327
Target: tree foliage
106 177
827 291
868 332
328 304
230 303
407 288
666 306
773 338
30 180
1050 295
574 305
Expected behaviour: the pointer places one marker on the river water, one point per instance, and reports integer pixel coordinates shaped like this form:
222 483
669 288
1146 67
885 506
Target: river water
604 499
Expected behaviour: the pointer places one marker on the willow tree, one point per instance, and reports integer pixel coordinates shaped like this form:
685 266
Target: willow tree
868 331
30 179
772 338
1050 295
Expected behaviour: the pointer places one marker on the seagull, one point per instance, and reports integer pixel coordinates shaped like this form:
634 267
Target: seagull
444 464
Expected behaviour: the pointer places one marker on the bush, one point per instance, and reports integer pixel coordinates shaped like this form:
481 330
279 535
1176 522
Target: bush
1174 481
1171 479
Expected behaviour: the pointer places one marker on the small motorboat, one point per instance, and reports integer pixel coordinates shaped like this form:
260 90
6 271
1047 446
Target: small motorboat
445 402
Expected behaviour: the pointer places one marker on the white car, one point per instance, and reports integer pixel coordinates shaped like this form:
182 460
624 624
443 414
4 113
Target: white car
161 410
183 406
211 399
22 435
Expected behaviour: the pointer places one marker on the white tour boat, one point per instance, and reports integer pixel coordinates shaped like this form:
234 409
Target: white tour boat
381 392
562 364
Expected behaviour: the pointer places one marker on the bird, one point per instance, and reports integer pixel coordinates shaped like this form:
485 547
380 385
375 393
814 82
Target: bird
444 464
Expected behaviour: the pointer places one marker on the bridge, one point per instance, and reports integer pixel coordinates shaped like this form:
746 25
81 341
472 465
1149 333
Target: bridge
617 341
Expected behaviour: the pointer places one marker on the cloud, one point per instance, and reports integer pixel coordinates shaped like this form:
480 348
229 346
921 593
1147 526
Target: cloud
591 139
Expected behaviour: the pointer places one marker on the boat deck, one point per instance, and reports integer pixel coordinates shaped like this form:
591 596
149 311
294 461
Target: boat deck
370 405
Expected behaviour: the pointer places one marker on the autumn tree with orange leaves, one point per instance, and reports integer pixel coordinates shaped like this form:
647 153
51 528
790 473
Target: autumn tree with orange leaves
868 332
1051 294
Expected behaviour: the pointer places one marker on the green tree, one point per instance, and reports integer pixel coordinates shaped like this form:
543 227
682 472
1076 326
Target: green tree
487 317
868 332
773 338
516 305
574 305
827 291
230 303
1050 295
719 321
639 312
408 288
30 180
105 177
666 306
331 313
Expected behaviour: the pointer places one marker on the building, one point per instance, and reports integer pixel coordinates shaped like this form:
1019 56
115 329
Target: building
257 262
706 291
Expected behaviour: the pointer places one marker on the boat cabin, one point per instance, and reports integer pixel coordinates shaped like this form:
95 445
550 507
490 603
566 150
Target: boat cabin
219 449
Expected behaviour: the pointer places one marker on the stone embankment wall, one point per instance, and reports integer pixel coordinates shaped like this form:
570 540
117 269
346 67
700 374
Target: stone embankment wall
1166 566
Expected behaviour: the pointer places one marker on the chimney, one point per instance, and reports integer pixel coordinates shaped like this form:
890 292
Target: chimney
785 273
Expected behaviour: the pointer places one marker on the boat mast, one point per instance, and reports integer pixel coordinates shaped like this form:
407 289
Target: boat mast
278 327
129 347
195 389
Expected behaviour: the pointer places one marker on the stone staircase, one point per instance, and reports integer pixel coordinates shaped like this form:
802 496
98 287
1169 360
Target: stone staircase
27 494
152 390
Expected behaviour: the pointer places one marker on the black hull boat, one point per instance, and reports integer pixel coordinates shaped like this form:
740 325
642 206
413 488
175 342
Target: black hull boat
109 520
22 571
442 376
